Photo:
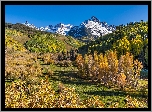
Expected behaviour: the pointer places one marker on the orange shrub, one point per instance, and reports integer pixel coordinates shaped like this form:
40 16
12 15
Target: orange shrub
109 70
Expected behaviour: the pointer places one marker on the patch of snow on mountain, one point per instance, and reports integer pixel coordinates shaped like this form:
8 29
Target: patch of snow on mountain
91 27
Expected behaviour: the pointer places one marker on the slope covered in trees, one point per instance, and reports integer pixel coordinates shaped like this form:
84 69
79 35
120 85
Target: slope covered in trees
14 40
40 41
131 38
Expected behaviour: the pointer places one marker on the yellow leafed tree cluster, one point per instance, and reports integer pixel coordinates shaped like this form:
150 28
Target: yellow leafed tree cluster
110 71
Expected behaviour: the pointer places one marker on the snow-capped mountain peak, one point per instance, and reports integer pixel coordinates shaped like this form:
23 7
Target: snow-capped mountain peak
30 25
91 27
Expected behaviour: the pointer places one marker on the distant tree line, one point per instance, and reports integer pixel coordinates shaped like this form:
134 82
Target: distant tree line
68 55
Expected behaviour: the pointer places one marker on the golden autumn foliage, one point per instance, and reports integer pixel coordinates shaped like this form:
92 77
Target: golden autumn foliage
23 95
13 45
122 46
22 66
109 70
47 58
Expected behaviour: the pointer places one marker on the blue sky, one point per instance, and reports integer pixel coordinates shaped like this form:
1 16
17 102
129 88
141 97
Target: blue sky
44 15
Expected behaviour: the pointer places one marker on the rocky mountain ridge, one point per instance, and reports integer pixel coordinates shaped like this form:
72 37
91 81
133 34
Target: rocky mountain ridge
89 28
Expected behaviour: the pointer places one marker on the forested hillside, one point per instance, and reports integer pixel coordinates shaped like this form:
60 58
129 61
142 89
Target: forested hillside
40 41
132 38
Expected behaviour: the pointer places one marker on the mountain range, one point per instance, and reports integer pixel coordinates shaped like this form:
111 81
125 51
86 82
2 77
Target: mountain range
89 28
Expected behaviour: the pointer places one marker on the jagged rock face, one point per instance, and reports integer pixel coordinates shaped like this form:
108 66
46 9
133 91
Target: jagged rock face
30 25
77 31
59 28
91 28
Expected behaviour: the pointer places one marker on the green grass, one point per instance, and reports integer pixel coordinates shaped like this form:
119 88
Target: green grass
85 88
